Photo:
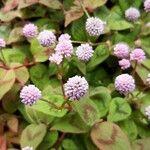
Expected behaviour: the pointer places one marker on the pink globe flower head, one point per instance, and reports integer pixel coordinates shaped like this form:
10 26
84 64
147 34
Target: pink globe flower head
64 37
147 5
124 64
148 79
132 14
137 55
121 50
30 30
84 52
147 112
46 38
2 43
27 148
56 58
125 84
76 87
30 94
64 48
95 26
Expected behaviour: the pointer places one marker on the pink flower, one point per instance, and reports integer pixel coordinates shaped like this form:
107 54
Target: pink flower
46 38
30 30
124 64
147 5
138 55
132 14
30 94
84 52
56 58
94 26
121 50
125 83
76 87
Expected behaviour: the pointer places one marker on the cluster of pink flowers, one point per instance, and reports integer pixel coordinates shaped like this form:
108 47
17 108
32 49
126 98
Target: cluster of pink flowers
122 51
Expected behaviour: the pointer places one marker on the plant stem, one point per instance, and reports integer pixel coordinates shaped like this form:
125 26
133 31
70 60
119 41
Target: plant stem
52 104
59 141
134 69
87 14
3 58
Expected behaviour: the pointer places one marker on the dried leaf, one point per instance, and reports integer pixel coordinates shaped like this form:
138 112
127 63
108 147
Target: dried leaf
73 14
10 5
2 143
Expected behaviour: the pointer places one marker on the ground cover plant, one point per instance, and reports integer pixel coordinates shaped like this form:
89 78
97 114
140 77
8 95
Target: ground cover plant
75 75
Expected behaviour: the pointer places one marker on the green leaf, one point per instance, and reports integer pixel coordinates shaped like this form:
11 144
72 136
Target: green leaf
130 128
80 65
38 51
119 109
49 140
69 144
102 98
14 55
70 123
79 35
7 79
39 11
32 116
101 53
33 135
48 109
142 73
15 35
45 23
87 110
116 22
108 136
39 75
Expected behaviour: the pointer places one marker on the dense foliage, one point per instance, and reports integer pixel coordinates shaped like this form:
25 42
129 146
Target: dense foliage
74 75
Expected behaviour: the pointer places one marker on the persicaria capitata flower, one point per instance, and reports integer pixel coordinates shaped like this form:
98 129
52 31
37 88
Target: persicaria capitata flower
125 84
147 112
27 148
56 58
132 14
2 43
124 64
95 26
121 50
76 87
147 5
84 52
30 30
137 55
30 94
46 38
64 48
